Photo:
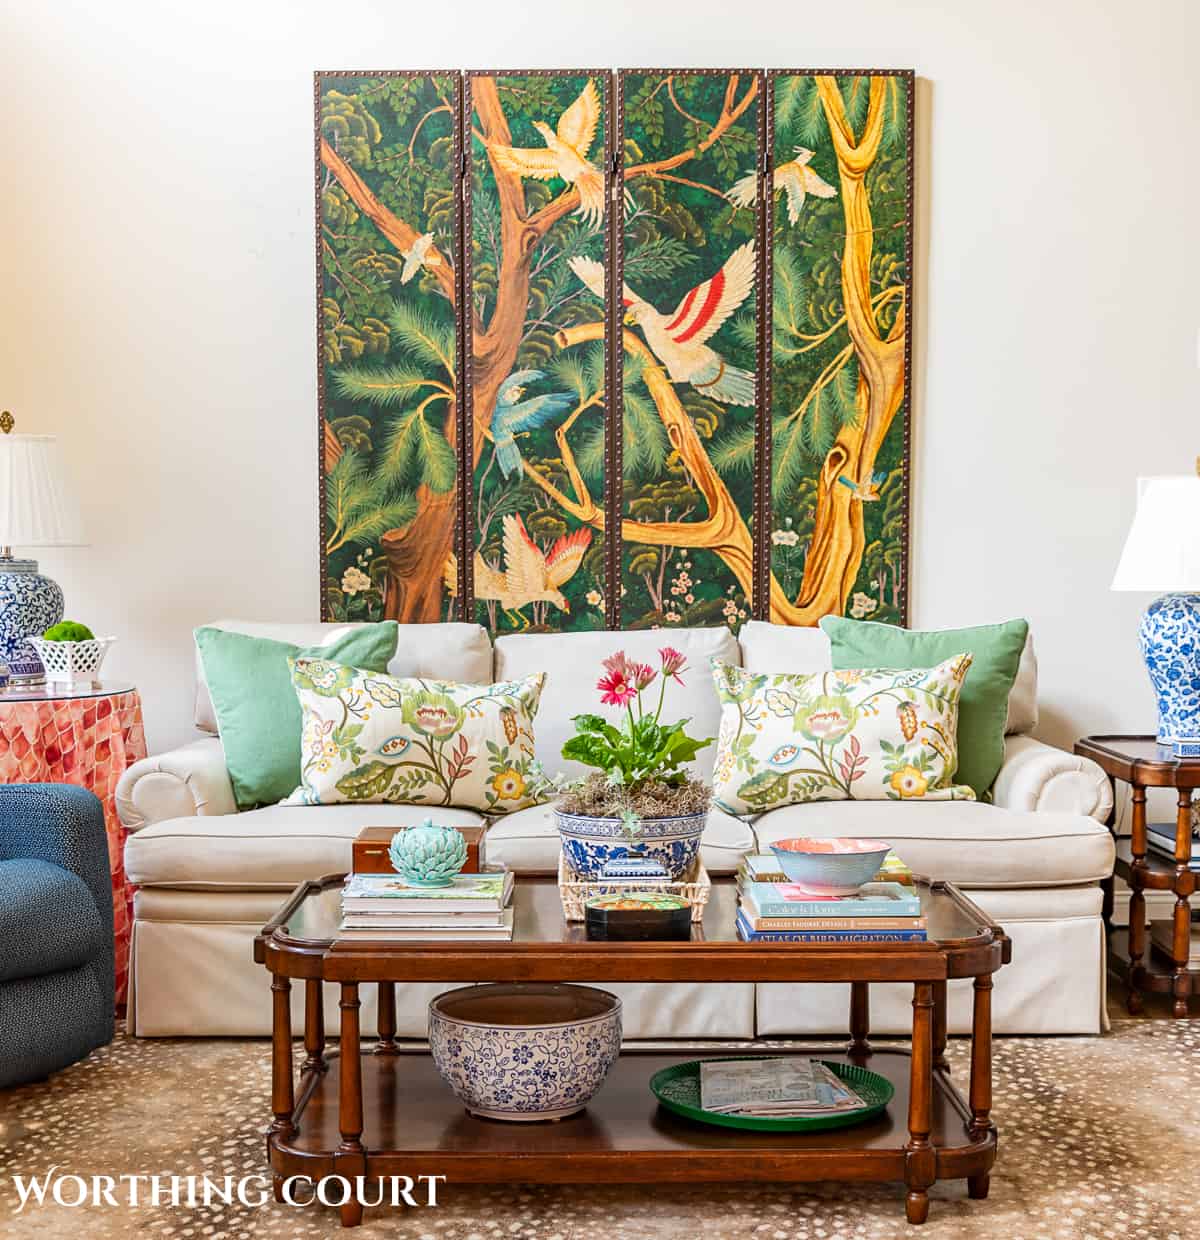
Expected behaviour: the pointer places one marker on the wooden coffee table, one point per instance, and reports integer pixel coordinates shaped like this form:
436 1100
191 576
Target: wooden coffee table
378 1111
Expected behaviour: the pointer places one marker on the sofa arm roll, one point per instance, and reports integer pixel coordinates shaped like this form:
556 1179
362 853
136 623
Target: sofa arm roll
187 782
1037 777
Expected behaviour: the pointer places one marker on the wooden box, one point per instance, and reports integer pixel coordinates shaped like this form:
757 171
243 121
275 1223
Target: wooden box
371 850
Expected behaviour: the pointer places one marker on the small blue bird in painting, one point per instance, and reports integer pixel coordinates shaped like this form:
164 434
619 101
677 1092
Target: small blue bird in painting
867 492
514 416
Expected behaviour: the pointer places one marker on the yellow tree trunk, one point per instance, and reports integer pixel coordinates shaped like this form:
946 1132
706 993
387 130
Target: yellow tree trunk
835 552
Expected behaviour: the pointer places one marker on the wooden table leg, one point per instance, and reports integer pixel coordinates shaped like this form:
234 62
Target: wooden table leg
981 1076
920 1158
283 1102
940 1062
1137 901
860 1020
387 1020
314 1027
1107 884
350 1160
1181 985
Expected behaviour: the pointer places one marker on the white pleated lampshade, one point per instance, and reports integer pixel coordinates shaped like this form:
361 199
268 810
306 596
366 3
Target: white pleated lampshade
1162 551
36 506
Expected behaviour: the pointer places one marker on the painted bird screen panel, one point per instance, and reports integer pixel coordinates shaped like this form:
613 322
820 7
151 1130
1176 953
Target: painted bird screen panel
689 273
387 179
841 230
538 228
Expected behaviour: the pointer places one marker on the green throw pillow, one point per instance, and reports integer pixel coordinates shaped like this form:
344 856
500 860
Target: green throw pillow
258 713
983 707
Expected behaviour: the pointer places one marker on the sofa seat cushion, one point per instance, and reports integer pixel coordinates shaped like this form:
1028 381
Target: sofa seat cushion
269 849
964 842
48 920
527 841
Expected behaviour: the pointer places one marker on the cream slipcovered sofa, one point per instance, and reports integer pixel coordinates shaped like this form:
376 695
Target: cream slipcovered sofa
208 877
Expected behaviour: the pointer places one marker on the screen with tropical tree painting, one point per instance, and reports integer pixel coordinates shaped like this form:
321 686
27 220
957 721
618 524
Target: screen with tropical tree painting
614 350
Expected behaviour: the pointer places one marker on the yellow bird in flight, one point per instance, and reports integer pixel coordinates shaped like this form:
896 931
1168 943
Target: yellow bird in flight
565 154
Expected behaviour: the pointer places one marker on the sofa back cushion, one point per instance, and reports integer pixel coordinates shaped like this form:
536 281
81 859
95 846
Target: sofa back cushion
571 662
459 652
786 648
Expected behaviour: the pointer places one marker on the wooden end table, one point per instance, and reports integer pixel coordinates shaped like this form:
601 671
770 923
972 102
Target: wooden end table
1142 763
385 1113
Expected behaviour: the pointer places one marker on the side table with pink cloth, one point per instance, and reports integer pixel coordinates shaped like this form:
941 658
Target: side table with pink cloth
84 734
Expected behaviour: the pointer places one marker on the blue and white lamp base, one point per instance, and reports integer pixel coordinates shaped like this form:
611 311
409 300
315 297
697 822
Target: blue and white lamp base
29 605
1170 639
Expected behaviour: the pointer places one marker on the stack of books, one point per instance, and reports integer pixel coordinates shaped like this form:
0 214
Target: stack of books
384 907
787 913
761 868
775 1088
1160 836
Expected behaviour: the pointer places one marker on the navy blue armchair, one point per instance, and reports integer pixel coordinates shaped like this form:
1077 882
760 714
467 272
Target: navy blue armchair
56 930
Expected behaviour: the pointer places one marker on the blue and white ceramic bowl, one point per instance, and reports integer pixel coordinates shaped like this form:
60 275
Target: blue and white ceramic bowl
588 843
525 1052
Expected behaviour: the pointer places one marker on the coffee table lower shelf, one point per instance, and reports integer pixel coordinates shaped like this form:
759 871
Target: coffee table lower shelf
414 1126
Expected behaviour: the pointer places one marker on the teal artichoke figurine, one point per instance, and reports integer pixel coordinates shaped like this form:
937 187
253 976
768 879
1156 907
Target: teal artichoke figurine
428 856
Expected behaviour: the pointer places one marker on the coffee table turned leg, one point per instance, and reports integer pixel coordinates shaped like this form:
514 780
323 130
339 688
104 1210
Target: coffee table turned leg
981 1077
283 1102
920 1158
860 1020
940 1062
387 1020
350 1160
314 1028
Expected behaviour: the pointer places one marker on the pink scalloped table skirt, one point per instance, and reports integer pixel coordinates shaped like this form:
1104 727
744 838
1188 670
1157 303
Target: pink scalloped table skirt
88 742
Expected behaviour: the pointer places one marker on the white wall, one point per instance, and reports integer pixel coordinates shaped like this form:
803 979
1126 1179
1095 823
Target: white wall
156 300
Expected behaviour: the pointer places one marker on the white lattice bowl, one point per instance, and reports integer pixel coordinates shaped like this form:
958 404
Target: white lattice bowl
72 661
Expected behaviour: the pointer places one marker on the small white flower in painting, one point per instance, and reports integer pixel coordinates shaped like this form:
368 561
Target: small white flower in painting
862 605
354 580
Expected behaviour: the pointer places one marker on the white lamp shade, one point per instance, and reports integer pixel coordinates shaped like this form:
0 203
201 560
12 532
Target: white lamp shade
36 507
1162 551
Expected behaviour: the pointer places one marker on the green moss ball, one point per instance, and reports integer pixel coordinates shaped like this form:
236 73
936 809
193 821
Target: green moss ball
69 631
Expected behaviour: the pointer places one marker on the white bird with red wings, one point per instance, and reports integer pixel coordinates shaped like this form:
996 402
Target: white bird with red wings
678 339
565 154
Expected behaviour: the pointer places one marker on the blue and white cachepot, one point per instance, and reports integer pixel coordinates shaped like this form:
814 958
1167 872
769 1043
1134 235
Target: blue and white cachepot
1169 636
29 605
531 1051
589 843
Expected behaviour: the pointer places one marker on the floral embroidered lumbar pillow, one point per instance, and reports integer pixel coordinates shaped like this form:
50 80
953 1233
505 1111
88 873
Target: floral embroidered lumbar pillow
838 736
380 738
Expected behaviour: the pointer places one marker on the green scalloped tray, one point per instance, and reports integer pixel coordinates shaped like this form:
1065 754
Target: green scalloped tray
678 1089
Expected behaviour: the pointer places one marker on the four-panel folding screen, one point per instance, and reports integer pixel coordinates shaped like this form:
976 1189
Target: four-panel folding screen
614 350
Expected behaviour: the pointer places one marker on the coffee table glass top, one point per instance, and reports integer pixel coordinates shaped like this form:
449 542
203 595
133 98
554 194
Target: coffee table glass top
538 916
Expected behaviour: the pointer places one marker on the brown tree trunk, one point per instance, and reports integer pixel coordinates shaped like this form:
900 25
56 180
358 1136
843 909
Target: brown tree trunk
495 347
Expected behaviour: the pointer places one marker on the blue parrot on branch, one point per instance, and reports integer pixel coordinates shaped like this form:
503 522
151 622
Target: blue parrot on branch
514 416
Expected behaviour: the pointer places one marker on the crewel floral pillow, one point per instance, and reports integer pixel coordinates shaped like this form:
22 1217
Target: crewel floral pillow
367 736
867 735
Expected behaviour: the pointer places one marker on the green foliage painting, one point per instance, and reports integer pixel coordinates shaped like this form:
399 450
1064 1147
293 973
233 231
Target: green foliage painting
508 261
690 344
538 212
387 223
839 453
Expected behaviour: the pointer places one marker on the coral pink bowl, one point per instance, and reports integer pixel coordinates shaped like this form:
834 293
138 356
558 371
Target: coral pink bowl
830 867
